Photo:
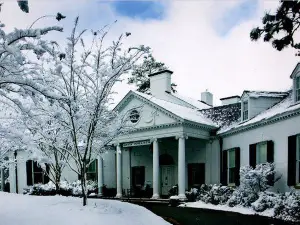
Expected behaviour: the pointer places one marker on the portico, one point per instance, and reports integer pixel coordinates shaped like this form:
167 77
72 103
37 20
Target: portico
161 162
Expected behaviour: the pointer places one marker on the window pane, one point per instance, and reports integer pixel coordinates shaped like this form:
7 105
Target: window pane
38 178
231 175
261 153
37 168
92 167
231 157
91 176
298 82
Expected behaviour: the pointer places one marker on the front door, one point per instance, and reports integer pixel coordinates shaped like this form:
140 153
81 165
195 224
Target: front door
167 179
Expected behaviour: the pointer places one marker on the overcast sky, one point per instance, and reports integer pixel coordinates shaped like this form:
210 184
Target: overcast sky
205 42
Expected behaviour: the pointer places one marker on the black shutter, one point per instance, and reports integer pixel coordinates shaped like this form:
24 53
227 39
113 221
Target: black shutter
96 178
291 176
270 151
224 168
46 177
29 172
252 155
237 166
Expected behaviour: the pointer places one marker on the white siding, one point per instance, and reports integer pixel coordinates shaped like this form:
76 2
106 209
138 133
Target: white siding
277 132
260 104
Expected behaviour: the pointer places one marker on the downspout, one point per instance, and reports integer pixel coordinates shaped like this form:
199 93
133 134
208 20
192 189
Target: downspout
16 172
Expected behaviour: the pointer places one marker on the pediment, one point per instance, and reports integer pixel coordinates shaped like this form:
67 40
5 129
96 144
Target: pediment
149 114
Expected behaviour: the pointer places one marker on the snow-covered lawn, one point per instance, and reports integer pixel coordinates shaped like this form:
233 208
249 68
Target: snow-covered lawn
238 209
56 210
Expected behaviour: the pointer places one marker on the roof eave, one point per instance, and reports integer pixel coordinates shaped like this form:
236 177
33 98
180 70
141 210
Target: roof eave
281 116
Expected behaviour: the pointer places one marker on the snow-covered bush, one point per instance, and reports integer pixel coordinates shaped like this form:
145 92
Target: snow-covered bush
214 194
252 183
287 206
266 200
65 188
174 190
192 195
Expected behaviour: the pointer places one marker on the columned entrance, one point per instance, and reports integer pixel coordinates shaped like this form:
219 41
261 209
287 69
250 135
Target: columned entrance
170 165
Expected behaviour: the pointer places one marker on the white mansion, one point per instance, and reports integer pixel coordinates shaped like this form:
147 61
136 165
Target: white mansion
189 142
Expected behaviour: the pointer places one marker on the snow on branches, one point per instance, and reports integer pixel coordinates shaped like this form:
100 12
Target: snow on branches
74 129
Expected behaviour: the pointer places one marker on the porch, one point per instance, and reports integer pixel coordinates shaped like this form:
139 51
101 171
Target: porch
151 168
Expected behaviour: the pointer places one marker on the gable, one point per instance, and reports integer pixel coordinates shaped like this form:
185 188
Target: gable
149 114
295 71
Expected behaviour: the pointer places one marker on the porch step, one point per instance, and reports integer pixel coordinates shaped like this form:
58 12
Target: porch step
148 200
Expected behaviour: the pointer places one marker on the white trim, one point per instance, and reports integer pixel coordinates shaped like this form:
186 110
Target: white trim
245 111
297 90
228 167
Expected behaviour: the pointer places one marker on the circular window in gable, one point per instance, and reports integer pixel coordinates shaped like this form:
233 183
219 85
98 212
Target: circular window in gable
134 116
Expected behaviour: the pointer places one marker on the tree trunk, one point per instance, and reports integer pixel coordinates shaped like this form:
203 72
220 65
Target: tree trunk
84 186
57 181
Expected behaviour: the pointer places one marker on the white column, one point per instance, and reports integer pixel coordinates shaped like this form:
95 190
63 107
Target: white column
119 171
181 167
155 170
2 179
100 176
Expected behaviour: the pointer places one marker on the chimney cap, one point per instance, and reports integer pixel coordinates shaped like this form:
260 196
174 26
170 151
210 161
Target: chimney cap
159 72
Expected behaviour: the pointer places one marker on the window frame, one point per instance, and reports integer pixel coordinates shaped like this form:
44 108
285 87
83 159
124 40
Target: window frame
134 116
245 109
297 88
34 173
95 172
257 149
229 167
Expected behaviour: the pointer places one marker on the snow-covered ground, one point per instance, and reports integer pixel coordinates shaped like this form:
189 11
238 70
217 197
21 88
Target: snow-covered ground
238 209
56 210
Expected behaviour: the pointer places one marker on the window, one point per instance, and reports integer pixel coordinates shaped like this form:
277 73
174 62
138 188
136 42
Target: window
245 110
261 153
298 160
196 174
298 88
138 176
231 166
91 173
134 116
35 173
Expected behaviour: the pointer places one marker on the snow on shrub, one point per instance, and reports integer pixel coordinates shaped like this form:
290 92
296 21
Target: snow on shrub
214 194
266 200
287 206
66 188
192 194
252 182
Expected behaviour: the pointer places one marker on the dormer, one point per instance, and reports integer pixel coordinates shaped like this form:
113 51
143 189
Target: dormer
255 102
296 83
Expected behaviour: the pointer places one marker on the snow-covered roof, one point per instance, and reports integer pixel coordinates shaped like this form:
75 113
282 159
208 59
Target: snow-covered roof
269 94
285 106
181 111
194 102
